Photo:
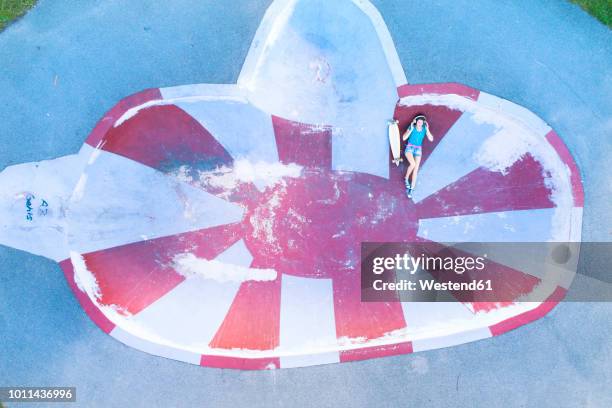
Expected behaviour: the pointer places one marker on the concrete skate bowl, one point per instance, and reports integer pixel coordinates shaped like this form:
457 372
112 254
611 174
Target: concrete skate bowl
221 224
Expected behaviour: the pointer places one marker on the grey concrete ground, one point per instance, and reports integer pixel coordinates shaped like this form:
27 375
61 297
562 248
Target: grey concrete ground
67 62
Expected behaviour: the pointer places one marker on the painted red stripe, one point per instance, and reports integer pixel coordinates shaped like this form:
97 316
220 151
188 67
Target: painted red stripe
482 190
253 320
530 316
441 119
110 117
508 284
240 363
375 352
567 158
306 145
135 275
88 306
440 89
165 137
357 319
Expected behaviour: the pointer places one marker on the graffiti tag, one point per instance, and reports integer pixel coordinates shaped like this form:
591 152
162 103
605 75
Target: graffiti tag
43 208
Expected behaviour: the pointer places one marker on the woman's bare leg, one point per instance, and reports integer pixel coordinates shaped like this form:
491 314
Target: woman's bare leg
411 164
415 171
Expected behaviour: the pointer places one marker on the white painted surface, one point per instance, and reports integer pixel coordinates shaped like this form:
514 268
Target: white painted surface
453 157
576 225
161 350
460 337
244 131
518 112
307 322
503 226
384 36
304 359
237 254
327 82
196 90
124 201
48 180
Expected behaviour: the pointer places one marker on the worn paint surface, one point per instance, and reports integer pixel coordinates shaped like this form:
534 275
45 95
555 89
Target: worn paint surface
161 177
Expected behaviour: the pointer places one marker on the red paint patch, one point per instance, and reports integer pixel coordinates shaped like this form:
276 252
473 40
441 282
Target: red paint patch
88 306
110 117
306 145
165 137
482 191
375 352
528 317
312 226
253 320
357 319
567 158
440 89
240 363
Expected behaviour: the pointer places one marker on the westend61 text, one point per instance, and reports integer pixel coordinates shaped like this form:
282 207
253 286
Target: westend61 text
430 284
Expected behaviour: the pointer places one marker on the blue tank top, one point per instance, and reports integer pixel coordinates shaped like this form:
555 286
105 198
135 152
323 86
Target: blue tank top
416 137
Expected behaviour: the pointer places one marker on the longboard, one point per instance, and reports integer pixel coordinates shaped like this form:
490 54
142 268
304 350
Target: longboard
394 141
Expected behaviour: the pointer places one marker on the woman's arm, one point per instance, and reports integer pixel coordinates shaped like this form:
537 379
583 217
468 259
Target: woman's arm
429 135
407 132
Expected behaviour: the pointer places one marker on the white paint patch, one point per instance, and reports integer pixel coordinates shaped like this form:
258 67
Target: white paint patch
263 219
96 152
84 279
77 193
265 174
500 151
262 174
189 265
307 322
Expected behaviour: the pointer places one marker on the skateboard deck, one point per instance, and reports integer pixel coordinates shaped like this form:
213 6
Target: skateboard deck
394 141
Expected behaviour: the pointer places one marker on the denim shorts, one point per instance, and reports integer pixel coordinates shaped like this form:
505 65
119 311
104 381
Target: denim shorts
415 150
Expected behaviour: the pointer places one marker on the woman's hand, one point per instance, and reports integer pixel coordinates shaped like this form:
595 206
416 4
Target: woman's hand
428 133
407 133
